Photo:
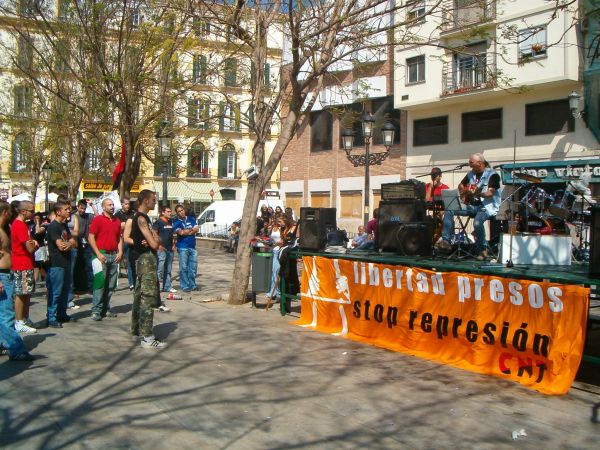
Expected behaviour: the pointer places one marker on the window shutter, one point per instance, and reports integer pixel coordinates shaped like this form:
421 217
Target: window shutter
236 111
222 164
192 113
196 69
235 164
202 78
251 115
221 117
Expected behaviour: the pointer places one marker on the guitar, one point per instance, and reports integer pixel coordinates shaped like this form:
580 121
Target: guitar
471 195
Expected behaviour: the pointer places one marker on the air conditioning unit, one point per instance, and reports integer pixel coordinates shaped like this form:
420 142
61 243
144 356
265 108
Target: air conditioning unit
252 172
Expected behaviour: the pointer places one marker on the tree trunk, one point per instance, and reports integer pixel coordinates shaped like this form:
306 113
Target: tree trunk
241 271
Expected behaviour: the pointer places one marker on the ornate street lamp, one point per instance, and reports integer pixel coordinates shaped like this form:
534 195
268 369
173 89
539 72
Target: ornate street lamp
574 104
164 136
367 159
47 172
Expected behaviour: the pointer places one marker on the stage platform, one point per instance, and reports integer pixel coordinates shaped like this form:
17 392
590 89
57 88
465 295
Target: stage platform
576 273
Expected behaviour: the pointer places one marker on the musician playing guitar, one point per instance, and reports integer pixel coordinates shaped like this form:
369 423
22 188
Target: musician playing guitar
480 190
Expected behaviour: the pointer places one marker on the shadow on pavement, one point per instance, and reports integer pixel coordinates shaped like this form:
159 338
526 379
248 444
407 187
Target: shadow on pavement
163 330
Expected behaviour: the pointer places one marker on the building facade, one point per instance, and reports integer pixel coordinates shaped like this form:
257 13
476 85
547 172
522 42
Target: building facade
210 113
315 171
494 78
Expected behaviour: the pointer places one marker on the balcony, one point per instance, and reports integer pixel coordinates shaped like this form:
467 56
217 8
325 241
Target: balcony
235 175
467 13
460 78
202 173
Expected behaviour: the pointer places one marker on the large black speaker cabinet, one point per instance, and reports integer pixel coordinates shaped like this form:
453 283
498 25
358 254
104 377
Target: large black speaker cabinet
595 242
315 223
403 227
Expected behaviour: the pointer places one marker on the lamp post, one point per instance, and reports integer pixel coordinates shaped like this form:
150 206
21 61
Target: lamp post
367 159
164 138
47 171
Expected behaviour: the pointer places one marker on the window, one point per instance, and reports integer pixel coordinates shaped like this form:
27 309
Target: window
24 53
482 125
320 199
383 111
294 200
416 12
61 56
415 69
267 75
20 150
321 125
92 162
351 204
532 43
548 118
198 161
199 69
432 131
201 27
29 7
135 18
229 117
470 69
351 119
230 72
198 114
376 199
22 101
64 10
227 162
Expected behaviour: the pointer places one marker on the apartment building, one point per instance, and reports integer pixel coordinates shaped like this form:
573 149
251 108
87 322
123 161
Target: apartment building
210 114
315 170
488 76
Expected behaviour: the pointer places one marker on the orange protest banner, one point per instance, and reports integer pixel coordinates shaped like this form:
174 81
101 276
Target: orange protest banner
526 331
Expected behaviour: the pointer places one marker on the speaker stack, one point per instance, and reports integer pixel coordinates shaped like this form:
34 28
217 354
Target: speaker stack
403 226
315 223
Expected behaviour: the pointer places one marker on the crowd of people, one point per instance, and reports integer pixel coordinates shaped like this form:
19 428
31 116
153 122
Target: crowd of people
38 247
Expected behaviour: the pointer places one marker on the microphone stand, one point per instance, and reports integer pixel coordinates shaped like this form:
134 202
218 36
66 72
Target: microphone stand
511 219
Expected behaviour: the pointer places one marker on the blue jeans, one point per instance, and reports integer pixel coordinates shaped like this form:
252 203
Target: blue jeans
479 213
274 272
165 265
187 268
9 337
105 285
58 280
130 274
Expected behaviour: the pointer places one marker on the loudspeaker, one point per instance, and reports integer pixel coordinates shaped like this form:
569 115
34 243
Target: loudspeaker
315 223
404 189
403 227
408 239
595 242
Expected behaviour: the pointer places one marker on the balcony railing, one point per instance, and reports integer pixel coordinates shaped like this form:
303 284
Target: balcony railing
457 79
469 13
202 173
230 176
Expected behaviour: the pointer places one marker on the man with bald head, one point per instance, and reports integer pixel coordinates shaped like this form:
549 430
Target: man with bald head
23 248
107 245
480 190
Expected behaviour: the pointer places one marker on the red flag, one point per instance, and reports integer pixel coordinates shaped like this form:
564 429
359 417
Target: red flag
119 169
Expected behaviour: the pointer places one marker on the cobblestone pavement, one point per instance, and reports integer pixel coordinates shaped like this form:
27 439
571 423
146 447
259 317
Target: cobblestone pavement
234 377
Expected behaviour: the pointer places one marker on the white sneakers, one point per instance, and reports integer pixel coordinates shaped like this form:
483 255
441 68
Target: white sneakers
172 291
152 342
23 327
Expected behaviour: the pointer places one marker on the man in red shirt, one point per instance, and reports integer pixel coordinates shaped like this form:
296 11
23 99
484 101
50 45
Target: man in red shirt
106 243
23 248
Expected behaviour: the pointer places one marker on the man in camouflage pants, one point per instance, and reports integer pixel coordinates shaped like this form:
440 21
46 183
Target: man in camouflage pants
144 246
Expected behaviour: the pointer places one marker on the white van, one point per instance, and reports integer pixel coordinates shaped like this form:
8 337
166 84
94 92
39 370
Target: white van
216 219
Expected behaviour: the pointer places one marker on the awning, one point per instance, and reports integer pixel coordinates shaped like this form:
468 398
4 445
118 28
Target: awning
190 191
553 171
